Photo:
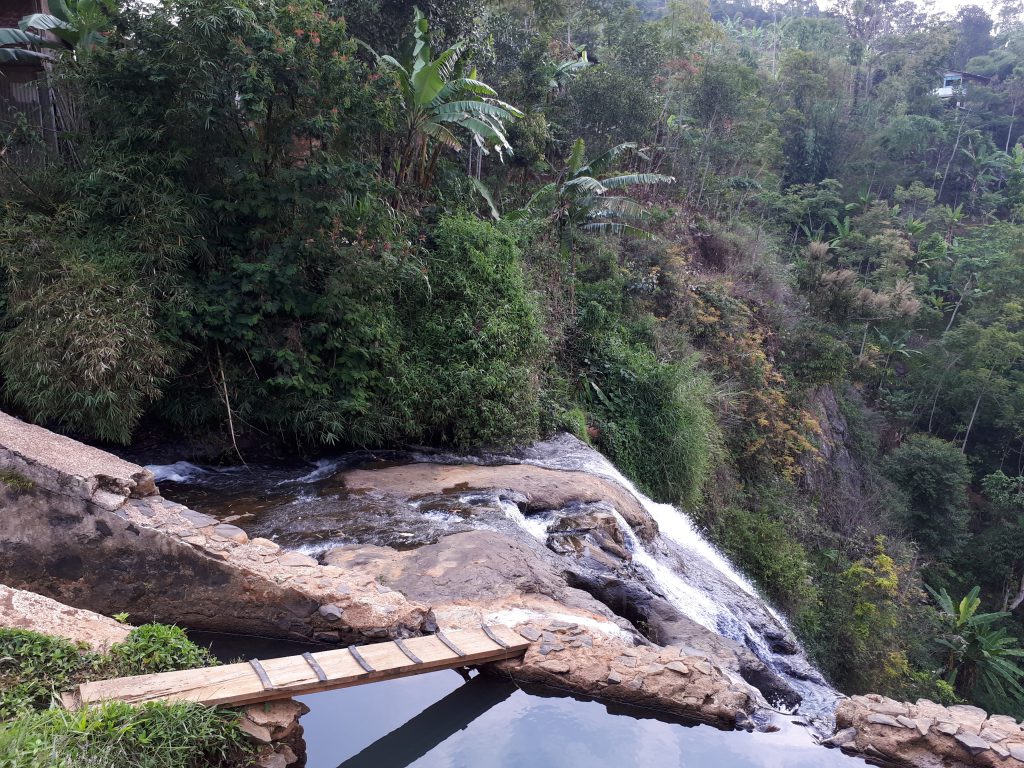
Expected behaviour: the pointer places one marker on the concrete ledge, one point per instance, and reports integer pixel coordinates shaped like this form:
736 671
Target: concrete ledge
68 467
27 610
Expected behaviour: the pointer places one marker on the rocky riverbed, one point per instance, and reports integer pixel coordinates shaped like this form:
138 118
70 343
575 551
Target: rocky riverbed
620 597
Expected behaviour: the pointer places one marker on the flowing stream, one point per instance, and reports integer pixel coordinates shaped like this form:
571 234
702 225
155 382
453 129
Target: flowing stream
310 509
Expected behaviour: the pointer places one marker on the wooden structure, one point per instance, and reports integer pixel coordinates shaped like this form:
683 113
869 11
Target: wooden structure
258 681
25 94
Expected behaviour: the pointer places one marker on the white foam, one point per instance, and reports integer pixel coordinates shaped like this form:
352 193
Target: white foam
324 468
512 616
178 472
694 603
536 526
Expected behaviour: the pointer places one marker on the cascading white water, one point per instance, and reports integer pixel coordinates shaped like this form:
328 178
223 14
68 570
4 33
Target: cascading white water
712 592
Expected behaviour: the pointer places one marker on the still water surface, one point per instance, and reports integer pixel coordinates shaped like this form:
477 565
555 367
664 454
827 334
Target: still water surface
439 720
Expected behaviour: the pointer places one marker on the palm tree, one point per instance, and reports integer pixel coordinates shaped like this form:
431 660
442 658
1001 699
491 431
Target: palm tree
979 658
577 200
440 103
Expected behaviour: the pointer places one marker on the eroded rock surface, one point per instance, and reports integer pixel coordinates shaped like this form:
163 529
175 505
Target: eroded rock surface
482 575
541 489
926 734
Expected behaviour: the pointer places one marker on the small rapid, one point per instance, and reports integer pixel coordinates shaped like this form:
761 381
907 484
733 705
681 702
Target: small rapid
690 572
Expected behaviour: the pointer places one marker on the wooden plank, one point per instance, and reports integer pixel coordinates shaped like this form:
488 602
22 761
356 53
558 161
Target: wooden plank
292 675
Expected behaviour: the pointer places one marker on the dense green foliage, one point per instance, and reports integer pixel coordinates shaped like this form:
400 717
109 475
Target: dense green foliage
980 661
35 668
787 293
934 475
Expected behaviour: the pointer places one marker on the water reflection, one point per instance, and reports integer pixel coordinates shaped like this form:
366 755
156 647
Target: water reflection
490 723
438 720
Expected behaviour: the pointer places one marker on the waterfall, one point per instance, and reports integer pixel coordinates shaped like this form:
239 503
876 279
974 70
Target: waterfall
689 570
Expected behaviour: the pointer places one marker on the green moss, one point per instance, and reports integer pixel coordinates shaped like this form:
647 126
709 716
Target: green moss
15 481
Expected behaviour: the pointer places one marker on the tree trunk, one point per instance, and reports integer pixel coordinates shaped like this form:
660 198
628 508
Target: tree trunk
970 425
966 288
952 154
1013 116
1012 605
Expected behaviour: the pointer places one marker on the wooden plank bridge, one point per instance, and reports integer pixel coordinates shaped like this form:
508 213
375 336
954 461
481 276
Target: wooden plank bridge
257 681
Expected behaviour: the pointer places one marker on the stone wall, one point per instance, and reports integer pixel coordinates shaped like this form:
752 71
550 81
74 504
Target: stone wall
86 528
926 734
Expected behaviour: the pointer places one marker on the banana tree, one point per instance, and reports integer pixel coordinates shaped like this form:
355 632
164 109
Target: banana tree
577 201
844 229
560 73
17 45
980 659
71 24
440 104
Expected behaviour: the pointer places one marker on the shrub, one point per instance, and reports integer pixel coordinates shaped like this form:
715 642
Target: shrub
653 418
767 552
470 377
158 648
934 474
35 667
84 351
814 356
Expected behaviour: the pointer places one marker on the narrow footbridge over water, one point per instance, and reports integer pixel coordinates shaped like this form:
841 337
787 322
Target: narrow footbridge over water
257 681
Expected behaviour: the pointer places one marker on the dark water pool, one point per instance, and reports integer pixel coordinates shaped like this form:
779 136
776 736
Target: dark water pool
440 720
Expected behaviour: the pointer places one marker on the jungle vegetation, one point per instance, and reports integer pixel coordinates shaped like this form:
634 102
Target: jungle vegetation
746 251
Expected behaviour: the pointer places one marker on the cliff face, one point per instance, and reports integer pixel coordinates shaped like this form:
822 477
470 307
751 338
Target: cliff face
838 479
